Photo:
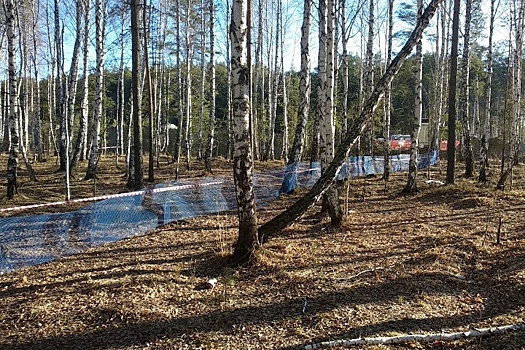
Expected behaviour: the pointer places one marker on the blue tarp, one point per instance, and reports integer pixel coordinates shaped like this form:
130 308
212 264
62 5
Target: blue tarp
354 167
31 240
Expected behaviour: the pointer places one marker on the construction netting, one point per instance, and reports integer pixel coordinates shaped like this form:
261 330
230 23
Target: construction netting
31 240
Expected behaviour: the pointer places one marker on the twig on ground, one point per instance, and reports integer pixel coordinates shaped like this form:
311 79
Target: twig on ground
421 338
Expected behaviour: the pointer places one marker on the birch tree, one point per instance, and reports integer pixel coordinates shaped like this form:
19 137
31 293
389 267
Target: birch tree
484 139
464 92
60 85
188 112
80 149
202 99
151 91
211 129
388 97
178 63
294 157
12 162
368 74
516 103
327 126
452 82
136 160
242 155
360 123
37 134
411 186
94 154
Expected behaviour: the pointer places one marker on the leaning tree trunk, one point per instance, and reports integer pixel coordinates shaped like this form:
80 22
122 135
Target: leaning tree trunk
12 161
484 142
294 157
91 172
278 223
242 156
208 153
411 186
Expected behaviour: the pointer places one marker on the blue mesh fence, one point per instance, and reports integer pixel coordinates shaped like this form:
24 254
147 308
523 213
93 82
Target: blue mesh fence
31 240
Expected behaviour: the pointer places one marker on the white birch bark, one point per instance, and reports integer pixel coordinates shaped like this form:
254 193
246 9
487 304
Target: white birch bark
136 167
208 153
327 125
200 143
417 338
180 104
464 93
100 16
242 156
12 162
188 117
368 75
80 149
485 129
516 106
284 151
411 186
388 98
304 87
37 133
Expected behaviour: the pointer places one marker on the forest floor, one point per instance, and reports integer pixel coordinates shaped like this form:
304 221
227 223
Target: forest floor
421 264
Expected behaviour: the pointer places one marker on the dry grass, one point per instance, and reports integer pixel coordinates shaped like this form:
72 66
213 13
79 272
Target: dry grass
418 264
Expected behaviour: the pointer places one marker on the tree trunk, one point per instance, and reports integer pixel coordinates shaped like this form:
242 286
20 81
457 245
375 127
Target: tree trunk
178 141
451 139
284 150
294 157
37 132
203 44
411 186
229 89
94 155
12 162
464 94
61 98
188 135
278 223
484 140
208 154
136 74
151 92
368 77
79 152
327 126
387 168
516 106
242 157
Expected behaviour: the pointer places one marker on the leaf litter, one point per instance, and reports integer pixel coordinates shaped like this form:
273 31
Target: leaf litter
419 264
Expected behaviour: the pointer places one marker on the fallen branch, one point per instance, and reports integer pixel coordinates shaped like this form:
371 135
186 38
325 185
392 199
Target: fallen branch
421 338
